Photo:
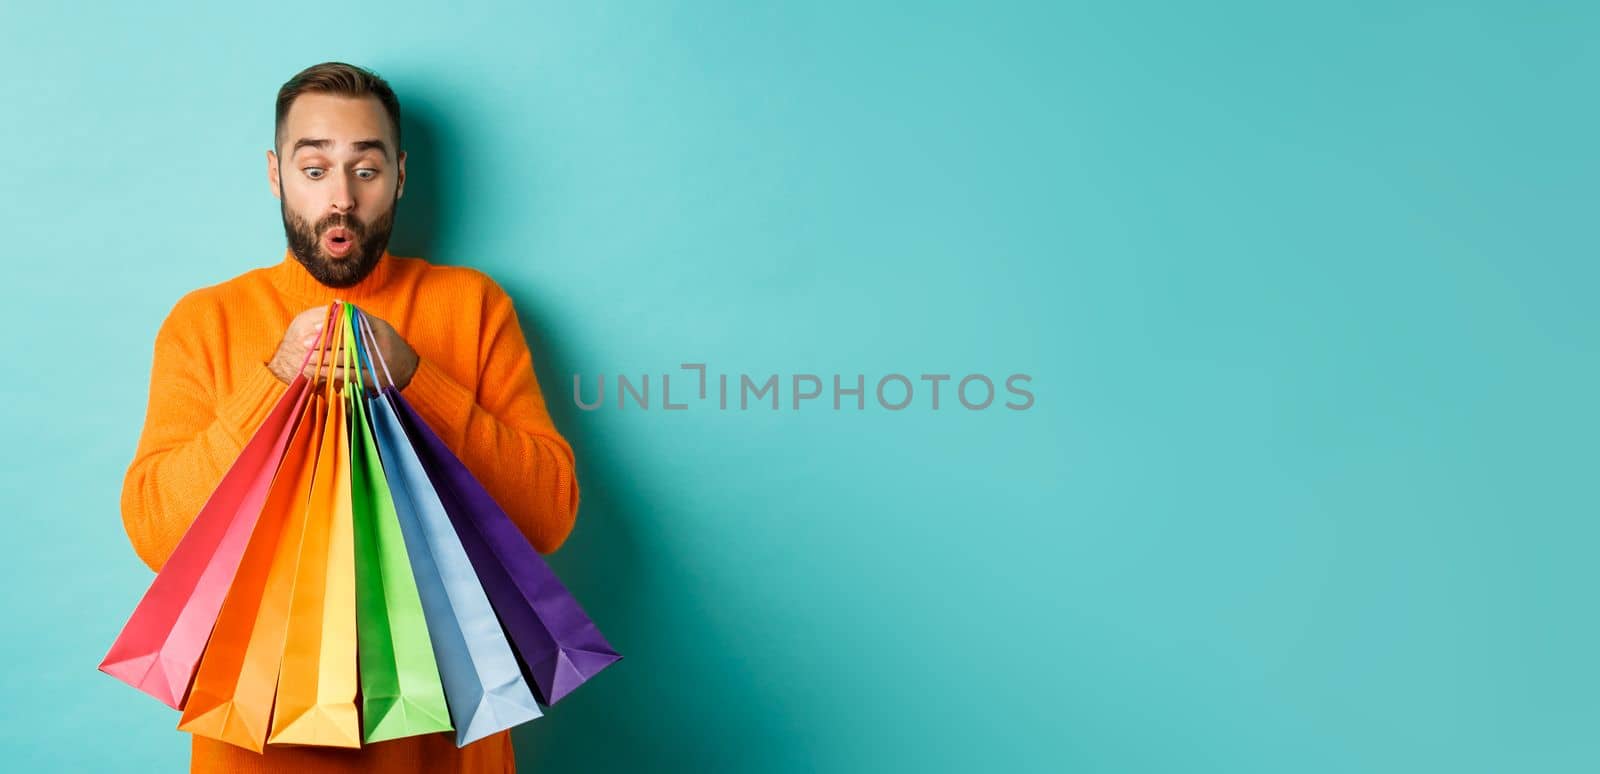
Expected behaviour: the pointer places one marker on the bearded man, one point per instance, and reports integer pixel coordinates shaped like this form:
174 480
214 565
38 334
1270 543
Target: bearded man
449 335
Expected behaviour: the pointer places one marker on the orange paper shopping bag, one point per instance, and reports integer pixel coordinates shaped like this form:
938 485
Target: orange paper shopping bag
233 691
316 704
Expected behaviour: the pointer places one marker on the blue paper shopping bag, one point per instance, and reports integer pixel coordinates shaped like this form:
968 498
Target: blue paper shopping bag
559 644
483 684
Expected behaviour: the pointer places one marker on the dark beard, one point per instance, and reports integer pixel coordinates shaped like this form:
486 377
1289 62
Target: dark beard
306 243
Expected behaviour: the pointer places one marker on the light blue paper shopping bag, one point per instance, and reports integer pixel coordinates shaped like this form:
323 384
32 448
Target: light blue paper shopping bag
484 687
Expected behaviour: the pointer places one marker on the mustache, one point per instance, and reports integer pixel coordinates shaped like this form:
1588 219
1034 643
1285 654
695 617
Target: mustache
341 221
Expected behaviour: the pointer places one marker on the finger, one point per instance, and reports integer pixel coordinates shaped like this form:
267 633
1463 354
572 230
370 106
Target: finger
334 368
327 353
310 338
339 373
311 318
338 368
380 328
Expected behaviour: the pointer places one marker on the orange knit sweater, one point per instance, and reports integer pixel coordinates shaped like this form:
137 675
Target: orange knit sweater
210 388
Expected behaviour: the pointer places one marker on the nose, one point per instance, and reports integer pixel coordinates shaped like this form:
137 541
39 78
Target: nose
344 199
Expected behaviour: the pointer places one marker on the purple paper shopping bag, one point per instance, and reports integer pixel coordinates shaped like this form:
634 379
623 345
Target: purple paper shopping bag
558 644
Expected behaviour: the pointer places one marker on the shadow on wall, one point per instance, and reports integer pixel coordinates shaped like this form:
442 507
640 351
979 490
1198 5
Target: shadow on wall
421 219
643 713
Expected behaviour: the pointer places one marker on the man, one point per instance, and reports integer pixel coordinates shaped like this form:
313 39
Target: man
450 336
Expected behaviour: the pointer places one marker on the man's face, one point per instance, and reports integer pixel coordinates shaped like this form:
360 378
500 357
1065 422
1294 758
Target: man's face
337 182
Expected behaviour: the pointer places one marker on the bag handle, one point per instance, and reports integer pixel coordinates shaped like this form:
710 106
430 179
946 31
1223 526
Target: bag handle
363 355
348 351
337 332
369 335
356 345
324 338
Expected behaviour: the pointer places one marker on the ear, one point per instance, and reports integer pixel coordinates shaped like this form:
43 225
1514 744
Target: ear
273 183
401 176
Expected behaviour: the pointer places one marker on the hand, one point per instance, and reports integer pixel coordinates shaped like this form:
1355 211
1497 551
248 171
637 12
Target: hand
397 353
302 335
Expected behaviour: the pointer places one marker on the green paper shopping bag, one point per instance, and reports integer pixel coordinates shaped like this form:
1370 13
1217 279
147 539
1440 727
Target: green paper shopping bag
401 693
483 686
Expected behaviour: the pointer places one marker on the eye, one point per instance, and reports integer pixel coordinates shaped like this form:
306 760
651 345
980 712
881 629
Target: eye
315 173
367 174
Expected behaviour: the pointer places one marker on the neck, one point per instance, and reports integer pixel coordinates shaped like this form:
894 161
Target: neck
293 280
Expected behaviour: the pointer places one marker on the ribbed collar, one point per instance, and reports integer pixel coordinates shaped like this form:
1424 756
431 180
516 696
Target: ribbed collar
294 281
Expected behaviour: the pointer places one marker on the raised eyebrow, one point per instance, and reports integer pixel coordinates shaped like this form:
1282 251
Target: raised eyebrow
307 142
322 144
362 146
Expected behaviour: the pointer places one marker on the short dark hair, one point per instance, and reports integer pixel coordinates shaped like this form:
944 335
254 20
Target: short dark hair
342 79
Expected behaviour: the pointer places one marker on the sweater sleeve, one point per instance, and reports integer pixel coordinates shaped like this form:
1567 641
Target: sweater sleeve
504 434
191 436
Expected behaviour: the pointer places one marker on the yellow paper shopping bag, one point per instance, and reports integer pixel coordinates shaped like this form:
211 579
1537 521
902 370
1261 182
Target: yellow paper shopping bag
317 680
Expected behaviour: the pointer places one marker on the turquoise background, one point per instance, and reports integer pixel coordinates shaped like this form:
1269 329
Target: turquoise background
1307 296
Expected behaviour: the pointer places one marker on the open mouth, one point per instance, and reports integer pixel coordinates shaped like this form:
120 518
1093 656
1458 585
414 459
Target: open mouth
338 241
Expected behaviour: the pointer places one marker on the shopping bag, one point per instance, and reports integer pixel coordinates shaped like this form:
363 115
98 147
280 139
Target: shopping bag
159 648
238 676
315 703
237 680
401 691
483 684
557 641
